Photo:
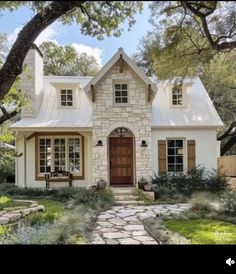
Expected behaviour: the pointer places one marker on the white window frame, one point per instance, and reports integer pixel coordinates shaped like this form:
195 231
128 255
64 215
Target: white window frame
66 137
121 82
72 93
169 89
184 154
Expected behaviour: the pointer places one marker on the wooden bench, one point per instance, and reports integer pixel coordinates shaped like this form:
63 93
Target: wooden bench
58 176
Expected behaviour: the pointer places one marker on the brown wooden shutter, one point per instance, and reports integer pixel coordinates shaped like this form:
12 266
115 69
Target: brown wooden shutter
191 154
161 157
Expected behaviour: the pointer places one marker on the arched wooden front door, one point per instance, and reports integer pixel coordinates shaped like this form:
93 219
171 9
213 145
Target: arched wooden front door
121 160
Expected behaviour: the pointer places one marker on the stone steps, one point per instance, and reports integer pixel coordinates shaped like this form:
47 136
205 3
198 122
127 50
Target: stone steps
124 197
131 202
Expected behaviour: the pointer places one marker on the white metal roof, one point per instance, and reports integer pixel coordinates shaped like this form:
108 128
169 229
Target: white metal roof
50 115
199 110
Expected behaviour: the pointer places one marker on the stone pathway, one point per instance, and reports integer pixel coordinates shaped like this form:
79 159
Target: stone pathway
123 224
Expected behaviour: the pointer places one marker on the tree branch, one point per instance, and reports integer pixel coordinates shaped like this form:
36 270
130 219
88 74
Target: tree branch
6 116
14 61
227 132
228 145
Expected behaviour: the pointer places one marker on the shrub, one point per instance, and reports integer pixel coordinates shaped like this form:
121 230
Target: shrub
194 180
7 165
4 200
95 200
201 207
228 202
215 182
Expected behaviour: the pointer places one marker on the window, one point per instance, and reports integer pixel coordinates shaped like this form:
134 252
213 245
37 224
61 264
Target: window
175 155
66 97
177 95
60 153
121 93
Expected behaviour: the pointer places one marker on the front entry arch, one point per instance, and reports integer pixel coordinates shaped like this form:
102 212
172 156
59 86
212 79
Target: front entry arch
121 157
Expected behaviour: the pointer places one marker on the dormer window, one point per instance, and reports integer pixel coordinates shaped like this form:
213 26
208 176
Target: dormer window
121 94
66 98
177 95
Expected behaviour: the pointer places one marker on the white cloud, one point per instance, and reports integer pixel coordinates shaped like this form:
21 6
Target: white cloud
95 52
47 35
50 33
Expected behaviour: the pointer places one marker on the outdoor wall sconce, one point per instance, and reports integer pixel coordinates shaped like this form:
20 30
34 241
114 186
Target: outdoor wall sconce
99 143
144 144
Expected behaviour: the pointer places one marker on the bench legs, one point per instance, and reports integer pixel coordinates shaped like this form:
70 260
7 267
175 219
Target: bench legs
47 184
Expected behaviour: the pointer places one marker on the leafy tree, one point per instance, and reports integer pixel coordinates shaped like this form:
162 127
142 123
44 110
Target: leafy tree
64 60
96 18
191 38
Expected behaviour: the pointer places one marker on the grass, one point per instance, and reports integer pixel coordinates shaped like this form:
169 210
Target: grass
204 231
3 230
53 211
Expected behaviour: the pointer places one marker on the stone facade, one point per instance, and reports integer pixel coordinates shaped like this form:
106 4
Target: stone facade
32 82
136 116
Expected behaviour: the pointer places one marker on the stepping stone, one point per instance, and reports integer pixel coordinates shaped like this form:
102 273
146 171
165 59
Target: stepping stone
40 208
109 229
134 227
125 214
128 241
13 217
131 219
4 220
104 224
102 218
115 235
150 243
140 233
112 242
145 215
117 221
143 239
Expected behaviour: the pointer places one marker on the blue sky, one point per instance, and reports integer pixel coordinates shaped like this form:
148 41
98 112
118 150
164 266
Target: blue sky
11 23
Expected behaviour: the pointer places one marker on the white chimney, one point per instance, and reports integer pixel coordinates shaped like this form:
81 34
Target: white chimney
32 81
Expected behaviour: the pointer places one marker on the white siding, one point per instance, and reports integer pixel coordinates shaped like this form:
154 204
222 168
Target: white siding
206 145
30 164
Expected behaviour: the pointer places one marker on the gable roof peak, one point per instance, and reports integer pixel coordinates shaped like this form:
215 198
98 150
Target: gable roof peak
120 49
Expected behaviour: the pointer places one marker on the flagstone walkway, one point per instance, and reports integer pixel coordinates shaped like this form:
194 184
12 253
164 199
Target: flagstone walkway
123 224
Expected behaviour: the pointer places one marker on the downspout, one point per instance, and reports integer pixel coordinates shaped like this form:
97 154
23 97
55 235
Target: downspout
25 177
16 162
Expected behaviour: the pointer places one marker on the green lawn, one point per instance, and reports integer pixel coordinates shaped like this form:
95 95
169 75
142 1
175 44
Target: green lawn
202 231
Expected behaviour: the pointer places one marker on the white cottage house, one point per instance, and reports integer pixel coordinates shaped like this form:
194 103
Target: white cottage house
119 125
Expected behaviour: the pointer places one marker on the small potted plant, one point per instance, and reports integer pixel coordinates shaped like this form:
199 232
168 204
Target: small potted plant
142 182
101 184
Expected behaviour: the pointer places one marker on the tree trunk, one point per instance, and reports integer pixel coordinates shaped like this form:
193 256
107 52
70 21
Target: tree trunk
13 64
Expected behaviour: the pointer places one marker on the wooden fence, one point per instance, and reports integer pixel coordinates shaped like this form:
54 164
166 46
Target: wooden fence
227 165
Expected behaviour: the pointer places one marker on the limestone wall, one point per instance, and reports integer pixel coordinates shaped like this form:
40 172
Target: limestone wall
107 116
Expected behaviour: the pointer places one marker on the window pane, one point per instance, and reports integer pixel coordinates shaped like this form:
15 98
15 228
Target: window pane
70 104
44 155
171 143
171 151
179 143
124 92
179 167
63 103
171 168
69 97
124 100
117 93
124 86
118 100
69 92
74 157
179 159
63 92
117 86
171 159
